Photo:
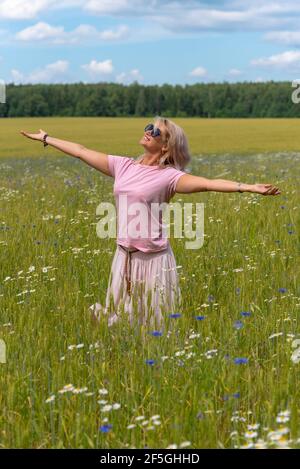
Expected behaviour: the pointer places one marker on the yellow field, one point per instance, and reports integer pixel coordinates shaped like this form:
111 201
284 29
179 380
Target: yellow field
121 135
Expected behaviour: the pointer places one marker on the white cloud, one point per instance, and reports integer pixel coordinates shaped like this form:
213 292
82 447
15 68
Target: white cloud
126 78
198 72
107 7
234 72
99 68
289 58
22 9
39 32
174 15
51 73
57 35
291 38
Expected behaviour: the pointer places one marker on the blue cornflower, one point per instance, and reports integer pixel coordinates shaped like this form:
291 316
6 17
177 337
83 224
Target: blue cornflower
240 361
174 315
150 362
200 318
156 333
105 428
282 290
238 324
245 313
236 395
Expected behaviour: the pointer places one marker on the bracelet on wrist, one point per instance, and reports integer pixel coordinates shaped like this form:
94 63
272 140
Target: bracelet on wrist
239 187
44 140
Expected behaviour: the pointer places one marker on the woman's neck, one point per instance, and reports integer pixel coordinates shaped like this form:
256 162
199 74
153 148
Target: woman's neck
150 160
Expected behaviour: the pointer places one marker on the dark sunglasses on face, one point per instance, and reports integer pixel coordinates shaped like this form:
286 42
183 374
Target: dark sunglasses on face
155 132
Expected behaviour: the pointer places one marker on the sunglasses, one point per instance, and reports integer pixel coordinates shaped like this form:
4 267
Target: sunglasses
155 132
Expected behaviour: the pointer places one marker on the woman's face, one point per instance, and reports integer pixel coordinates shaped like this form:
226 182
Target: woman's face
152 144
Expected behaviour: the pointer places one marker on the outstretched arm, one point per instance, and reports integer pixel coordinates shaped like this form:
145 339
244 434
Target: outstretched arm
93 158
189 183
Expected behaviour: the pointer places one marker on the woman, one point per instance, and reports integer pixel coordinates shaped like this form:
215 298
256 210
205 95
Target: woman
143 281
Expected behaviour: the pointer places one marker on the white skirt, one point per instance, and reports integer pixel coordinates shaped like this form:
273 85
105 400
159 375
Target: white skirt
144 286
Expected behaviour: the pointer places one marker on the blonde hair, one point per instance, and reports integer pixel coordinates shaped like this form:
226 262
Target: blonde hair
177 153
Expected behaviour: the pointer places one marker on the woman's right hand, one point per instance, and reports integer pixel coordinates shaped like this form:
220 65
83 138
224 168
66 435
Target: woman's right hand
38 136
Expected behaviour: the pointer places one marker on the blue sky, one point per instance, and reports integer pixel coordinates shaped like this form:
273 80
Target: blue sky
152 42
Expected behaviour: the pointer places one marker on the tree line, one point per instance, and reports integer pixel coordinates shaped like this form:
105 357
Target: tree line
243 99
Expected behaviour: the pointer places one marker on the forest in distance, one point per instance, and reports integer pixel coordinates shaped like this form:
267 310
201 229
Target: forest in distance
207 100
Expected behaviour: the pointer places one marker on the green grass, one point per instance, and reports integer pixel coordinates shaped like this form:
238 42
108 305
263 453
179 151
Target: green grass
48 218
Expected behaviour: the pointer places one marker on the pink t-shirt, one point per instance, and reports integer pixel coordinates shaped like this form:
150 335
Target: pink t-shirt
140 226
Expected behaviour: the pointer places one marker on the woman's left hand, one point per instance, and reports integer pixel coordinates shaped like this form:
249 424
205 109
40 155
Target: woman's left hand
265 189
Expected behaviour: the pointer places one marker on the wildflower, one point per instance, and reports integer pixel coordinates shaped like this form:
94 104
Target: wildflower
156 333
236 395
130 426
105 428
139 417
250 434
283 430
200 318
174 315
296 356
238 324
184 444
246 313
193 336
173 446
274 435
285 413
66 388
247 446
50 399
103 391
106 408
150 362
260 444
282 419
116 406
240 361
79 390
277 334
282 290
255 426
